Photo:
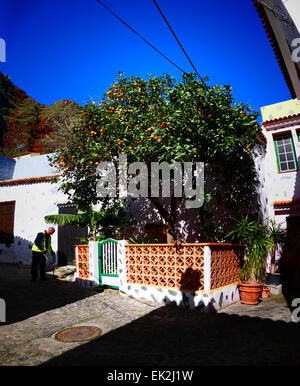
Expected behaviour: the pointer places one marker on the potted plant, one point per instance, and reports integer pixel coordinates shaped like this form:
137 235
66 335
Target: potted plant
265 292
254 237
277 236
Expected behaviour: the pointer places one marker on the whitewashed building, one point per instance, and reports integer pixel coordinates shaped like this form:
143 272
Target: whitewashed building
281 128
26 197
281 21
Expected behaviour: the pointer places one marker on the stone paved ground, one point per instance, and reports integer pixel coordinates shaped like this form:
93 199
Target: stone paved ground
135 333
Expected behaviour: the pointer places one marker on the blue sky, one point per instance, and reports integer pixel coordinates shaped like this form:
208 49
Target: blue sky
73 49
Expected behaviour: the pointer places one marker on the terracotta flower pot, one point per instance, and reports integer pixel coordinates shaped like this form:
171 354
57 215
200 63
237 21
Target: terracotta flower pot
265 293
250 293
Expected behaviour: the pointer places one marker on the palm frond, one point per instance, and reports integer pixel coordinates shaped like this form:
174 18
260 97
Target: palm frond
64 219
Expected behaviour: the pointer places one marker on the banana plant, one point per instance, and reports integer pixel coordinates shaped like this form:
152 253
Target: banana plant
95 220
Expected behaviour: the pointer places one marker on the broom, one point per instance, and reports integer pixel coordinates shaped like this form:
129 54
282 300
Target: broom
54 269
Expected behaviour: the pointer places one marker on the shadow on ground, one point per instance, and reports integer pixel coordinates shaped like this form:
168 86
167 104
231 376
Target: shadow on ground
25 299
171 336
291 292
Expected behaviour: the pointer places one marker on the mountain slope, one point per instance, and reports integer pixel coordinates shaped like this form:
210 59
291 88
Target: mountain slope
24 122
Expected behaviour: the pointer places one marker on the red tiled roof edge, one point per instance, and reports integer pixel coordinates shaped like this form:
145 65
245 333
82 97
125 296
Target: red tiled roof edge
271 36
262 137
21 155
286 203
28 180
281 118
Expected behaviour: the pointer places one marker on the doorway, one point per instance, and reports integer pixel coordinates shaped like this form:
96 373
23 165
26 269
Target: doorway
68 237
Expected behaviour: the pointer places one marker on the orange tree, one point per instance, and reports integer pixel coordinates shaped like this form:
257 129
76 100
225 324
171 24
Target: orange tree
160 119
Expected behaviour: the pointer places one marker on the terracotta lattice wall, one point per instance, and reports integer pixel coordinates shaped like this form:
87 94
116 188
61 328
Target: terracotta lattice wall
82 261
184 267
225 265
166 265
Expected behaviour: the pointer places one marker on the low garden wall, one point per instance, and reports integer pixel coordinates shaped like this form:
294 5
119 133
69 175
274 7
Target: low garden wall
199 275
84 273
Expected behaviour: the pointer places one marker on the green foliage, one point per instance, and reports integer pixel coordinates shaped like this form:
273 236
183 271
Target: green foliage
145 239
278 237
255 237
158 120
85 240
110 215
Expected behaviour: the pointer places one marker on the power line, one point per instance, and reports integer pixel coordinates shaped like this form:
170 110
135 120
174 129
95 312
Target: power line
140 36
278 12
163 16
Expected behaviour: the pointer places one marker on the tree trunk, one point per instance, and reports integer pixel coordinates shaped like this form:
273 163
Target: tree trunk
273 261
170 218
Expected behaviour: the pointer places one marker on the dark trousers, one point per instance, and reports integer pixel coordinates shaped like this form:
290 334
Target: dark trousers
38 263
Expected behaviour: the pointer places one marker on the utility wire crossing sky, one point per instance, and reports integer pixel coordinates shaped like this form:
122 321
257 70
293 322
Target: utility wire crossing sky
74 50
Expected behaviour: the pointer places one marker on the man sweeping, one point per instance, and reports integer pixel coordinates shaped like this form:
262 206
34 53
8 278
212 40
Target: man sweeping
41 246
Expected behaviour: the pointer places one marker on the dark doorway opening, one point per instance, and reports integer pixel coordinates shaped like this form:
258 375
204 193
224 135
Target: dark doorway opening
293 249
68 237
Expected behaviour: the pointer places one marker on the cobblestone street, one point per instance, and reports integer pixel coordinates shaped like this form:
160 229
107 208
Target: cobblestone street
135 333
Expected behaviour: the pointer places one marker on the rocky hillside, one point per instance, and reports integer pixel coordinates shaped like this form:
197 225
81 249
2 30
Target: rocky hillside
26 124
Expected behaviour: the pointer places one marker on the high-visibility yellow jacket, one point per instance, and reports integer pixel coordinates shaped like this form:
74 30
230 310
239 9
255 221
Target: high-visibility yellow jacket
42 240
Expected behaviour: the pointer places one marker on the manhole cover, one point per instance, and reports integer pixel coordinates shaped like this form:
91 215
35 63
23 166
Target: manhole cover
78 334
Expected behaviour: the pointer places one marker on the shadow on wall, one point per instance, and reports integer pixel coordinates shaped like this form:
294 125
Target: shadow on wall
231 195
289 264
190 283
7 168
141 211
172 336
19 251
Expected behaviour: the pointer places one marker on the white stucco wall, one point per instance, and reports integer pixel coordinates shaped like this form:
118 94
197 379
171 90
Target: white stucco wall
280 186
293 8
33 166
33 202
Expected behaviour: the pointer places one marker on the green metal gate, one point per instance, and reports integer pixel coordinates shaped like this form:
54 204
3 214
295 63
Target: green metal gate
108 263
